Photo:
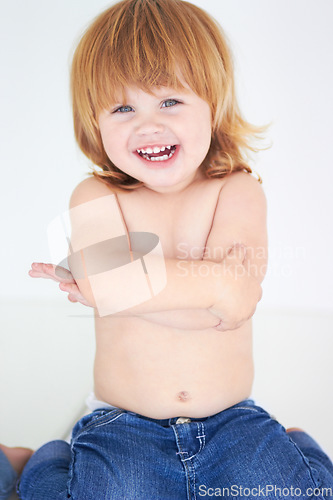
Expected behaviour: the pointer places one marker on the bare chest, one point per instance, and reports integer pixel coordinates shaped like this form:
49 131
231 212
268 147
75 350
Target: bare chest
181 223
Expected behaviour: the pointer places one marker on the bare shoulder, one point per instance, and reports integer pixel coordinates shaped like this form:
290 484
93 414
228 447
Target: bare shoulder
243 188
242 204
241 213
90 189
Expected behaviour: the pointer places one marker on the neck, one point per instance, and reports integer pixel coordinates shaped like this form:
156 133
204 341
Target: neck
180 188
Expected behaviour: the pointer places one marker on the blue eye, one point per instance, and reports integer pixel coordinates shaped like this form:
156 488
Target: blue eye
123 109
169 103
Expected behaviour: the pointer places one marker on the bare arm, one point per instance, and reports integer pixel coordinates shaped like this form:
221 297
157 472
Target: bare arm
240 219
196 284
226 283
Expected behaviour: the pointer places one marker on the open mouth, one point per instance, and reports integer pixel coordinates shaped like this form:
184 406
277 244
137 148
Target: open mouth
157 153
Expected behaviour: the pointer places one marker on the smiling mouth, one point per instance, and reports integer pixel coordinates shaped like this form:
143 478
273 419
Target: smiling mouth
157 153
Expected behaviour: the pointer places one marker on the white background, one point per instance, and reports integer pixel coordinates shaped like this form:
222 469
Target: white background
283 60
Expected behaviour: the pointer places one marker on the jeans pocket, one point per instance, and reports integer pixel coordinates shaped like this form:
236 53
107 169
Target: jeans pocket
95 419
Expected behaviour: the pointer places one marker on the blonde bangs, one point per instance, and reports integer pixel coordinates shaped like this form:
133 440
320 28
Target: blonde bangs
149 43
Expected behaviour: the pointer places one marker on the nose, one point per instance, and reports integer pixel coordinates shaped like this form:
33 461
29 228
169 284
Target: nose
149 125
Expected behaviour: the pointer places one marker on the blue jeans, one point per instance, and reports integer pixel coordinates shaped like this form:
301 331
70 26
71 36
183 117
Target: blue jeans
239 452
8 477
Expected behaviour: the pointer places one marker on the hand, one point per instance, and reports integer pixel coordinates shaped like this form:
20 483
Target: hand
60 275
241 292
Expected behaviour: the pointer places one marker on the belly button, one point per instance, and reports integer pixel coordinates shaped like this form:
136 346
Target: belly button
183 396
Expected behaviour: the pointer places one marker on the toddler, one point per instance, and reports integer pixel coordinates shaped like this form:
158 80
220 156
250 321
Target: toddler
169 246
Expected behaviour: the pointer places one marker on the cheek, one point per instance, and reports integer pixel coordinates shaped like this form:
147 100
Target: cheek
111 141
201 123
203 135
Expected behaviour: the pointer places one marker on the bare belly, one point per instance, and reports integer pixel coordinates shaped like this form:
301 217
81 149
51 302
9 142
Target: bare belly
146 366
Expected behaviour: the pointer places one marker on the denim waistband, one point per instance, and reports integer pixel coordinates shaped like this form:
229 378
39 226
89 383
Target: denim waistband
167 422
97 405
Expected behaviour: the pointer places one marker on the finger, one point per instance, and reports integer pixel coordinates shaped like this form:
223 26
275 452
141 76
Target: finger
73 291
77 297
57 272
50 271
37 274
237 253
40 266
41 270
224 327
72 298
71 288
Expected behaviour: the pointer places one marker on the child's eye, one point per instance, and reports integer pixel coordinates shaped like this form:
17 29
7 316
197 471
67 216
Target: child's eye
169 103
123 109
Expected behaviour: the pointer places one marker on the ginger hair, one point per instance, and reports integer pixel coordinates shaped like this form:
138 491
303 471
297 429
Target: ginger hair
148 43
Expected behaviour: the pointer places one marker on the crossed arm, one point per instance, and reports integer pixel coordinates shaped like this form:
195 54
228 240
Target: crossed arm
227 283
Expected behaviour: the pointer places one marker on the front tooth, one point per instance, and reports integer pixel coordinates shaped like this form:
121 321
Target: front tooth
149 151
156 150
163 149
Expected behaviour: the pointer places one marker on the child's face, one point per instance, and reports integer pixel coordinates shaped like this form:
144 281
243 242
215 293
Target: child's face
160 139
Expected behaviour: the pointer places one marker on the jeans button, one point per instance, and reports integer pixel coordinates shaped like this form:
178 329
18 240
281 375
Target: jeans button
183 420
